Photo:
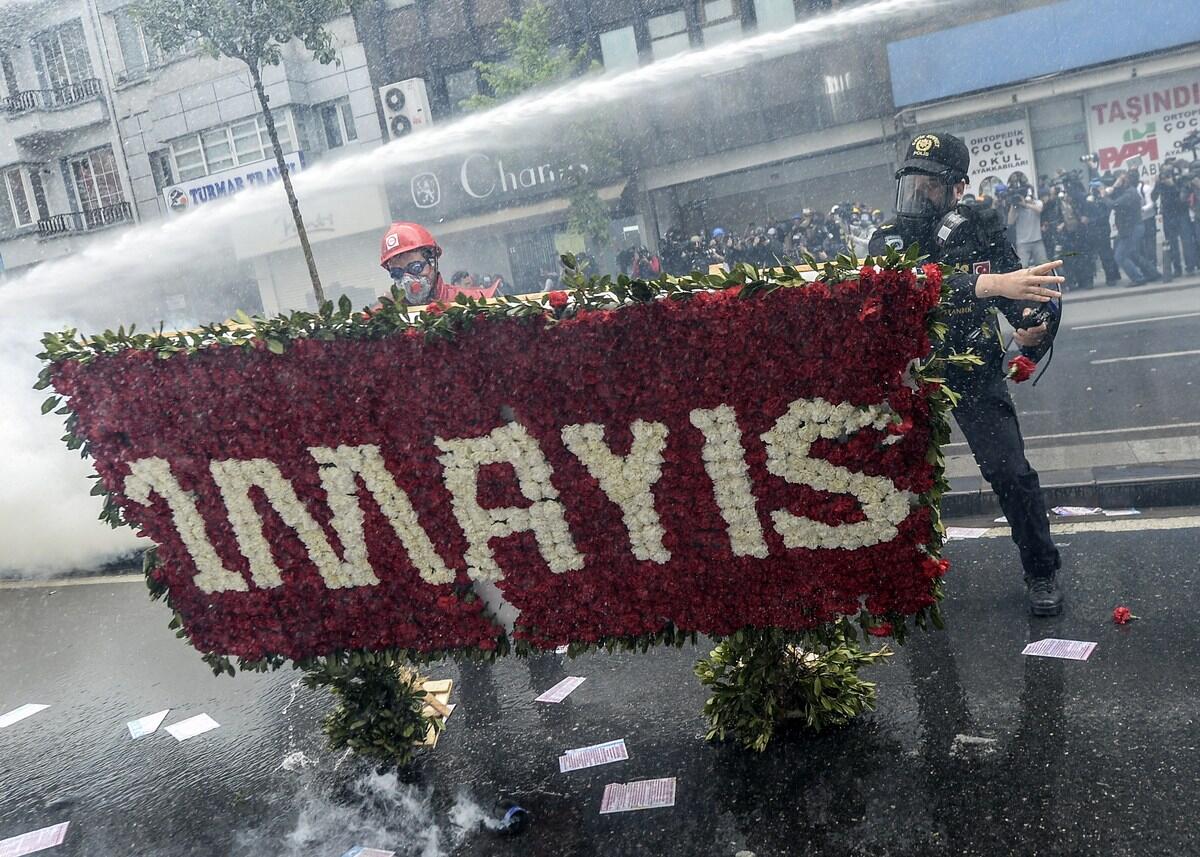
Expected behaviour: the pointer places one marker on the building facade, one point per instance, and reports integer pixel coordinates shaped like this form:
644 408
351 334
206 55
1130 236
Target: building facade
101 131
65 176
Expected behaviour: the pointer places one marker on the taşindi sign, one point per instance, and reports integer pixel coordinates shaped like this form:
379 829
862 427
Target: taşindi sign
188 195
997 152
482 181
1140 124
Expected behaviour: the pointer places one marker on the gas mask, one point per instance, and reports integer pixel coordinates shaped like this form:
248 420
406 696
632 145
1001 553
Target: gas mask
922 200
415 283
924 197
416 289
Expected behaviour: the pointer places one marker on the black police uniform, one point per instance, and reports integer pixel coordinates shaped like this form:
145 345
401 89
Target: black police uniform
985 412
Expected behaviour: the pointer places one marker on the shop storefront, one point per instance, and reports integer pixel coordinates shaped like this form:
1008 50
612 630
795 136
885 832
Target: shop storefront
1130 100
502 213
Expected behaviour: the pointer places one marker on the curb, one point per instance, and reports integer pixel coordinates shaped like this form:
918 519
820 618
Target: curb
1143 493
1101 293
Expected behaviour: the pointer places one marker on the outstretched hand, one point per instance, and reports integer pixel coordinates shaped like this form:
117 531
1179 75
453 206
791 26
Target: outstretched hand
1035 283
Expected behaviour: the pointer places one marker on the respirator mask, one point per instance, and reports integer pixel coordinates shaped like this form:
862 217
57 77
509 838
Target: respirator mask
412 278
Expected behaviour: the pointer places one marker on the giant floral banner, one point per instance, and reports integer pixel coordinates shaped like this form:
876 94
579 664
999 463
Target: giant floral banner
612 463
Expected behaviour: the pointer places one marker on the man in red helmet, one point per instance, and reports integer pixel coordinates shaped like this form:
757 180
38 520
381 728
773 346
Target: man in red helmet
410 254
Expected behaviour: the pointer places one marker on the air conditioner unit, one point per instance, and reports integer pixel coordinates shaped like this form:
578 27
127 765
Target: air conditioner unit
405 107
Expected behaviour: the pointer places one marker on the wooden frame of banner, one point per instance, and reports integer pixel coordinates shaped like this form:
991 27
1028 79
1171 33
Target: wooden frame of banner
437 704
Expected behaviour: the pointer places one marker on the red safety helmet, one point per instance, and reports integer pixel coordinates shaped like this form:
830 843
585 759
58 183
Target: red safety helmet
403 236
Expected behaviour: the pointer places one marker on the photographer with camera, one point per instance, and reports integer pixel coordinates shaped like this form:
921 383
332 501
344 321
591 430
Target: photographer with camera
1097 215
1171 192
1024 218
1149 248
1066 224
929 185
1131 231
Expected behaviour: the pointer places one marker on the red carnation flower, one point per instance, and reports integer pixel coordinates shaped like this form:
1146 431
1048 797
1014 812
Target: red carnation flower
1020 369
558 299
1122 615
882 630
871 308
933 275
902 427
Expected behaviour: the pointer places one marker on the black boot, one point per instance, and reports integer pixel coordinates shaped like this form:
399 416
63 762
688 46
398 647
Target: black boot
1045 598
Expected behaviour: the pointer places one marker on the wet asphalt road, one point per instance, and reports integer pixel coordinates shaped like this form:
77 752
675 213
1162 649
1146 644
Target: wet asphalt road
1055 758
1160 388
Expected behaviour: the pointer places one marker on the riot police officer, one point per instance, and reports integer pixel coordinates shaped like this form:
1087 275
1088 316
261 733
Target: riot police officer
929 186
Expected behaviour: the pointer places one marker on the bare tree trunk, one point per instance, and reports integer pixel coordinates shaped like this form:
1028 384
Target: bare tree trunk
256 76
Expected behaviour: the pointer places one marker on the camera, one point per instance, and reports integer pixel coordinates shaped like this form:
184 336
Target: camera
1091 159
1191 142
1042 314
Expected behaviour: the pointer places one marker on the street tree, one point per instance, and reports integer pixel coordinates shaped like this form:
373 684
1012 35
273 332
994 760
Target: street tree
588 146
253 31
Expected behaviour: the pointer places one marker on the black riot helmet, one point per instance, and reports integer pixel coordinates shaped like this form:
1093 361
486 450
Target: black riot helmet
933 165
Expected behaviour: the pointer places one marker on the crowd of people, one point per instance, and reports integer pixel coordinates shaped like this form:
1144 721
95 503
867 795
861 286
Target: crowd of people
1098 223
807 233
1108 220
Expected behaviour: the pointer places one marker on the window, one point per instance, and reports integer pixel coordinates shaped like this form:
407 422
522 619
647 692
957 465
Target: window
61 56
189 160
219 149
218 152
160 169
774 14
461 85
338 122
668 35
17 198
722 23
618 49
97 183
138 52
247 144
838 90
10 76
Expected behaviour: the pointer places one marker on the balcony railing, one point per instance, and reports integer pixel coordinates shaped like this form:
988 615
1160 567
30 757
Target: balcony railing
52 99
86 220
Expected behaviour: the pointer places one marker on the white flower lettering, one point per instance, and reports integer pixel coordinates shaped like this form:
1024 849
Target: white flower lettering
788 444
627 481
337 476
725 462
153 475
513 445
235 479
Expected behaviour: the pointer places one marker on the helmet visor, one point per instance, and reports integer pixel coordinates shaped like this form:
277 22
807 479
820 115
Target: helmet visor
920 195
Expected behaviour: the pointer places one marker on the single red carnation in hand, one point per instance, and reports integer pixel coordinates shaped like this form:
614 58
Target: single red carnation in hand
558 300
1020 369
1122 616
